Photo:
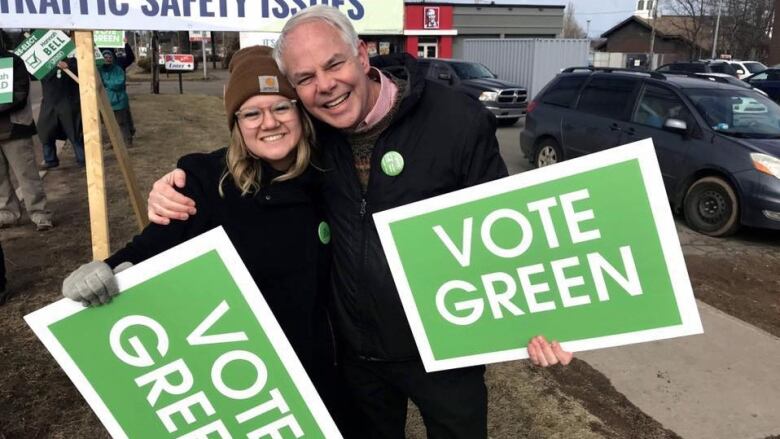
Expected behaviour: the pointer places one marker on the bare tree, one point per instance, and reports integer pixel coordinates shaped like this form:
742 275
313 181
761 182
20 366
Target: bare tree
774 56
571 29
695 23
746 26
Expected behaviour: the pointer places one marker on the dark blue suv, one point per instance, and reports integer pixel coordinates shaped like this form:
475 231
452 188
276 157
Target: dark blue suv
717 144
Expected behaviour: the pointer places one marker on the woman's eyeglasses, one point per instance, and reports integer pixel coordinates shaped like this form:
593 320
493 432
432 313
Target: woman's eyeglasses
252 117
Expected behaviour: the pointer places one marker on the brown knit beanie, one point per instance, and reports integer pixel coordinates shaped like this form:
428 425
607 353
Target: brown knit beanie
253 71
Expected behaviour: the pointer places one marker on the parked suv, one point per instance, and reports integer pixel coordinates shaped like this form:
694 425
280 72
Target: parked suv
700 67
507 101
717 144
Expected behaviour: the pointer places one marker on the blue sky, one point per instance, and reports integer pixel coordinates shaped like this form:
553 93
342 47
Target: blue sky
603 14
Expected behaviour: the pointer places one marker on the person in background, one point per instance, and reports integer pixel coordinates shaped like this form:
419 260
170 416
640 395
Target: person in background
16 153
112 72
263 191
60 114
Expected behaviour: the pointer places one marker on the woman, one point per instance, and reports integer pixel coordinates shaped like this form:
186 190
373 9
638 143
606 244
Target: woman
260 189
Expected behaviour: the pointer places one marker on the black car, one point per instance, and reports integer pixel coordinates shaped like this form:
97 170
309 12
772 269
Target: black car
700 67
768 81
507 101
717 144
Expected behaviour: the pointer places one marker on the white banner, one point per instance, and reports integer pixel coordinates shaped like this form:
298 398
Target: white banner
368 16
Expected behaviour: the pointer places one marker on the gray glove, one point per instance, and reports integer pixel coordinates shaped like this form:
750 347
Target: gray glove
93 283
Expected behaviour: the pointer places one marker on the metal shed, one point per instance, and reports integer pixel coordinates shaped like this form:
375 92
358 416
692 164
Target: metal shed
530 62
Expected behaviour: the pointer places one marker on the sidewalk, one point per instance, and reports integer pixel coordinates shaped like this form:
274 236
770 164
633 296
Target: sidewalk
722 384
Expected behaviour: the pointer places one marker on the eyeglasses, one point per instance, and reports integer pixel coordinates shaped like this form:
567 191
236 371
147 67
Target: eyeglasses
252 117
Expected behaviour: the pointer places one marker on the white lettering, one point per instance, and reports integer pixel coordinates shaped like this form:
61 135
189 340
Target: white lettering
140 357
565 284
629 282
475 305
184 408
160 379
543 207
531 290
197 336
497 300
573 219
462 256
260 379
520 220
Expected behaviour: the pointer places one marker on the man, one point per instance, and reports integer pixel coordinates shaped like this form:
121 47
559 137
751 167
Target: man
16 153
60 115
447 142
112 72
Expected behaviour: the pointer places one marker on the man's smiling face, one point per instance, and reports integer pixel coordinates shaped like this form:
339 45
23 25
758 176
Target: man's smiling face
331 80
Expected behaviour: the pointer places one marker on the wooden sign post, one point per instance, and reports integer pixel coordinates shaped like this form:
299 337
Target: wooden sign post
93 146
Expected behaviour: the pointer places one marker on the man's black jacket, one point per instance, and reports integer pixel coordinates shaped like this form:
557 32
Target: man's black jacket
448 142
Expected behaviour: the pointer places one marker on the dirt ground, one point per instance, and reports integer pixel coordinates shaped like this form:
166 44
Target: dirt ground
38 401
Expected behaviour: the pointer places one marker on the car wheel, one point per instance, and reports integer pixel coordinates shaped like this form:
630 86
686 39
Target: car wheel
547 153
508 122
711 207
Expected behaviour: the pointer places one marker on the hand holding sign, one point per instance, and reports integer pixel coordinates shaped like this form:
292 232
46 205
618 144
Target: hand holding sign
546 354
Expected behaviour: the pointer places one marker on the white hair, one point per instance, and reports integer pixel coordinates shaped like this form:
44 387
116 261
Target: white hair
322 13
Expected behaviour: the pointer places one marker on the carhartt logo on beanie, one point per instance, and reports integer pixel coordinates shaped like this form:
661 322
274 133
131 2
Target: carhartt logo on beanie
253 71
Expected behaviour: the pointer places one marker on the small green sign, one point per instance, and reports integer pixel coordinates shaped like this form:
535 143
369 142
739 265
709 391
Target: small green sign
189 350
585 252
109 38
6 80
392 163
43 49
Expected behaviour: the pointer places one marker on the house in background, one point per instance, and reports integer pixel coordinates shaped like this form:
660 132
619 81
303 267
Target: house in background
677 38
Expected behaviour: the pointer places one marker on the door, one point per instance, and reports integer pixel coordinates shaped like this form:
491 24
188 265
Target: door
427 47
655 105
602 112
769 82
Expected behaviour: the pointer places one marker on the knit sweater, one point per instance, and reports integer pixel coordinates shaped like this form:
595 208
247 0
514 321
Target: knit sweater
363 142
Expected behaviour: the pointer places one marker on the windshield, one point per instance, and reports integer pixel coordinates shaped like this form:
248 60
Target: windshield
738 113
467 70
754 67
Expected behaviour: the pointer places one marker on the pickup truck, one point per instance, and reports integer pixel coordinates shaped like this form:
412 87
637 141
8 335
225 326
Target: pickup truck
505 100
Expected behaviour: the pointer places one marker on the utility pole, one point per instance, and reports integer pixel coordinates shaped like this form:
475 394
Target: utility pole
651 56
774 52
587 29
717 28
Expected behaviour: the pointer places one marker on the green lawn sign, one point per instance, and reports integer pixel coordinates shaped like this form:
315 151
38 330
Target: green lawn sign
6 80
584 252
189 350
109 38
42 50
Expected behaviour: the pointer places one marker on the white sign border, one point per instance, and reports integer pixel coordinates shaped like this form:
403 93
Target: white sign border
644 152
213 240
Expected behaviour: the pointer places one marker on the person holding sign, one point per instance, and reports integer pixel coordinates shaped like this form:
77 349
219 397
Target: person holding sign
16 152
387 142
60 115
262 190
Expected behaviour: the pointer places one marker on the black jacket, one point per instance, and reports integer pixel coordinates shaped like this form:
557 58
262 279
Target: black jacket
60 115
448 142
275 231
21 94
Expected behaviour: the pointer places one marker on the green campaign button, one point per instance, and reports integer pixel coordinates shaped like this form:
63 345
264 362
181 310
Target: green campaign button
324 232
392 163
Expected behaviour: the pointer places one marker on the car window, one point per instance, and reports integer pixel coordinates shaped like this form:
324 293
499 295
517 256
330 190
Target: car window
774 75
760 77
718 68
739 113
607 96
658 104
563 92
467 70
754 67
666 68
